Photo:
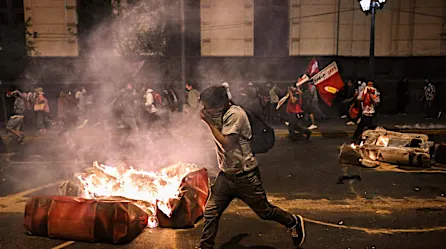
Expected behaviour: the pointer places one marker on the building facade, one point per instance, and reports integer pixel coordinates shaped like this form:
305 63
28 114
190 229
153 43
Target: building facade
51 27
236 41
324 27
244 39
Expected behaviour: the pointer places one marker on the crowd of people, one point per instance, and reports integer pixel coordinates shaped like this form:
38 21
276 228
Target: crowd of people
139 108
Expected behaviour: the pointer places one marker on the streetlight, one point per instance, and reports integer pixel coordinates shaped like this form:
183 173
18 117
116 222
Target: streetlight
370 6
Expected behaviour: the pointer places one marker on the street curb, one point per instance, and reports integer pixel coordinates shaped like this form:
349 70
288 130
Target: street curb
283 133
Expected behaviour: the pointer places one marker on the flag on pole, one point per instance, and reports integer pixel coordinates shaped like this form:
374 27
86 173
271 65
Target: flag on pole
328 83
302 80
136 66
313 68
131 69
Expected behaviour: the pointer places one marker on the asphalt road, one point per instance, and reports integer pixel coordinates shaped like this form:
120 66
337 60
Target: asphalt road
299 176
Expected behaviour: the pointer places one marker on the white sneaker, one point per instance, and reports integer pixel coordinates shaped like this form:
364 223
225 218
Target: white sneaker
343 116
351 123
312 127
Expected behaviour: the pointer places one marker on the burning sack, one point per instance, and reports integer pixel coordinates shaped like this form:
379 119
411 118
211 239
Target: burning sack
63 217
190 206
173 196
380 145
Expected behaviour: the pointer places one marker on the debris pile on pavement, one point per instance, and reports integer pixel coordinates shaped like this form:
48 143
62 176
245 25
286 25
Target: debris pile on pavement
380 147
421 126
173 197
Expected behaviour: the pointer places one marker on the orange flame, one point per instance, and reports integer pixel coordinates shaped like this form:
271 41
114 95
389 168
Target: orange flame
149 190
383 141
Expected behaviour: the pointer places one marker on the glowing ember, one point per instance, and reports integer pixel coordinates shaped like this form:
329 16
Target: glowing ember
149 190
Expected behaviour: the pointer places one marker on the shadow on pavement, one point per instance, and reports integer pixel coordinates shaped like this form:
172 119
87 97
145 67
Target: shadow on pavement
233 243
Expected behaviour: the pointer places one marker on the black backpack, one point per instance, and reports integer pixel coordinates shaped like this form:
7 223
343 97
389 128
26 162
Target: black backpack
263 136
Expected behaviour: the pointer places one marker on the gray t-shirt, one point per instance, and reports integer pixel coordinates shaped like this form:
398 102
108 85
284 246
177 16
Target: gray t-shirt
193 99
240 158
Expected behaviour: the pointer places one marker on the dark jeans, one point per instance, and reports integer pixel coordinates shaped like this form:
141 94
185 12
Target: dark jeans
367 122
42 120
295 124
317 111
345 108
401 103
68 122
246 187
429 109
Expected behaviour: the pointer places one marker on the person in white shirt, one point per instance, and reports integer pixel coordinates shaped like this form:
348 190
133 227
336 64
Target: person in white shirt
149 101
239 176
429 98
369 98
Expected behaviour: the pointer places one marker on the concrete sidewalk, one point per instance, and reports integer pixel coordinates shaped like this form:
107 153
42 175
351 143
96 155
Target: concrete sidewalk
337 127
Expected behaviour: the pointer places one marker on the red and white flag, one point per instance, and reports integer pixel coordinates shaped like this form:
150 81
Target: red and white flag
313 68
302 80
328 83
132 68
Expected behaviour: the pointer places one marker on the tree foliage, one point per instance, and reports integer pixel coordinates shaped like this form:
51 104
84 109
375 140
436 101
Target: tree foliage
139 27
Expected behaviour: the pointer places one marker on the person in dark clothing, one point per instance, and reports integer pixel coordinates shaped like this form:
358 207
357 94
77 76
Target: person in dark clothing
307 105
253 99
439 102
67 110
127 100
402 96
239 176
348 95
350 98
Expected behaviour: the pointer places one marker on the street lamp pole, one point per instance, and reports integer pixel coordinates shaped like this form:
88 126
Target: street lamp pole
371 6
372 42
183 56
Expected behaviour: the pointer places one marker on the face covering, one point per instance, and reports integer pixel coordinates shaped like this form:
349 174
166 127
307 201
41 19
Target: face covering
217 118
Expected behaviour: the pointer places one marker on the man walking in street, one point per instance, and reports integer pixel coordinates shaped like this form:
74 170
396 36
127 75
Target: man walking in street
127 100
402 96
315 102
15 122
369 98
239 176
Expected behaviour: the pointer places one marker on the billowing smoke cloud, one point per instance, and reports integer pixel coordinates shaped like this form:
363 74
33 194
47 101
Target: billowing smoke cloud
115 49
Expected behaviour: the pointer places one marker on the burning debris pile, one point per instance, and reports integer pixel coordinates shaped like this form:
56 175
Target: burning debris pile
154 192
382 146
173 196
